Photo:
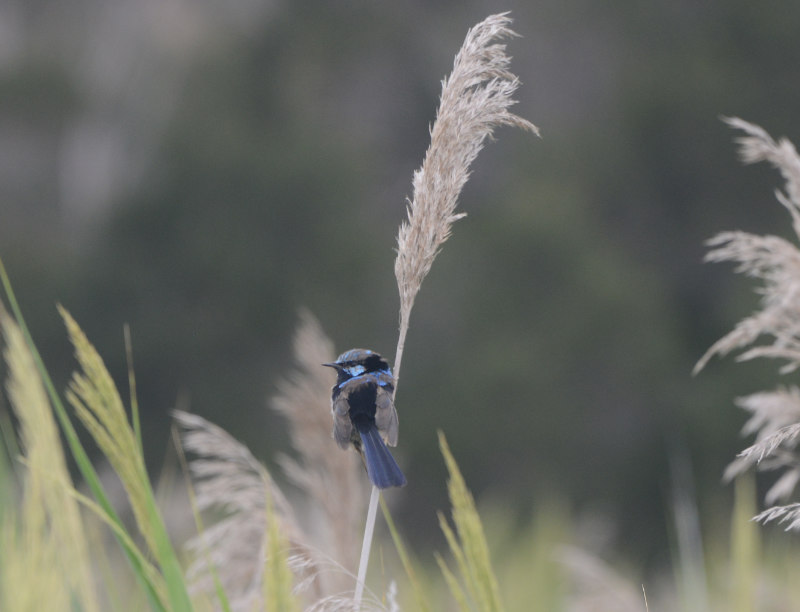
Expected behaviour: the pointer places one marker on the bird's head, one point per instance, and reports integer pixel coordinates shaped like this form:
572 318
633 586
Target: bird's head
356 362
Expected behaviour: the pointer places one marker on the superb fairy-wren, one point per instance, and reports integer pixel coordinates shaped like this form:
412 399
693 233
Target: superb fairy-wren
362 402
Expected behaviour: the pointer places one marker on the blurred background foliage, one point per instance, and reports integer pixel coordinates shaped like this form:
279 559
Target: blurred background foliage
202 170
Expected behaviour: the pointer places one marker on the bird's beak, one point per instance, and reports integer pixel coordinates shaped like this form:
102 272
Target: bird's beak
331 365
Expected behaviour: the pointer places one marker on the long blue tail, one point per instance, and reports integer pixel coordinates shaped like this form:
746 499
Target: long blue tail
382 469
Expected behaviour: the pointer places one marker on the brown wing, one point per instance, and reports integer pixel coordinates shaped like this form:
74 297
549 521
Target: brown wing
342 427
386 416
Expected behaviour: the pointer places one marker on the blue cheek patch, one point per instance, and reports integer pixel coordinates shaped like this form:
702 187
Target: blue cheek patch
367 375
356 370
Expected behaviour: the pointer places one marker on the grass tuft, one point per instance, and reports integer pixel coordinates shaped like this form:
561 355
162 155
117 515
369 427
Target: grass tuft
98 405
50 514
278 578
467 543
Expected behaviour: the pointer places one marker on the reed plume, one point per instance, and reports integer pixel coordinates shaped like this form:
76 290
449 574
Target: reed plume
228 479
333 481
597 586
773 331
475 99
773 260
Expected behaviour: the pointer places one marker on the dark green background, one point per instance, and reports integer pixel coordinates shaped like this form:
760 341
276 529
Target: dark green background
554 339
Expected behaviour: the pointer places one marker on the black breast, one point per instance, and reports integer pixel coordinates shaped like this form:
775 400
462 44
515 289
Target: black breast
361 399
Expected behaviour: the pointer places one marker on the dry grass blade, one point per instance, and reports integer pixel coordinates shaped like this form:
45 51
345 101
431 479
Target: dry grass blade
278 576
333 480
98 405
475 99
53 539
31 577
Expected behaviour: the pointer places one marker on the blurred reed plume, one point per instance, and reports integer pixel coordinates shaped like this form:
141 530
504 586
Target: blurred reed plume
261 552
597 586
773 331
475 99
229 479
333 481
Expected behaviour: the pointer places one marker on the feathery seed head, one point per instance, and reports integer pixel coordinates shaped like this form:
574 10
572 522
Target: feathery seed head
475 99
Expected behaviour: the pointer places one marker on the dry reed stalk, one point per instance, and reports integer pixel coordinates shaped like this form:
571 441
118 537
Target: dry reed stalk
475 99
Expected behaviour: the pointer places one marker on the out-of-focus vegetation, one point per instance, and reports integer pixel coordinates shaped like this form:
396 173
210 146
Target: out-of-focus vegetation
202 173
55 552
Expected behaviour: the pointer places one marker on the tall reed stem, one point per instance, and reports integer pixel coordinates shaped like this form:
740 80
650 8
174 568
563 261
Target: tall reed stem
369 530
365 547
475 99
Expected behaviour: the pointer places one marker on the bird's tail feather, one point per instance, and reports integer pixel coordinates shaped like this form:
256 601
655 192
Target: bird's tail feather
382 469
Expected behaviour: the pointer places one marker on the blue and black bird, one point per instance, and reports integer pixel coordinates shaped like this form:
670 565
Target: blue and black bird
364 415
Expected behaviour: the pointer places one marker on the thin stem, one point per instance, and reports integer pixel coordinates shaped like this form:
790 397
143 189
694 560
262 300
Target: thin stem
365 547
401 343
372 512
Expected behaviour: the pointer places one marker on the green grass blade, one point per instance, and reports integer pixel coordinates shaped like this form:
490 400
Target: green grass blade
137 427
78 452
9 449
168 561
97 402
47 479
422 604
222 596
745 547
147 567
452 583
278 578
467 575
470 548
